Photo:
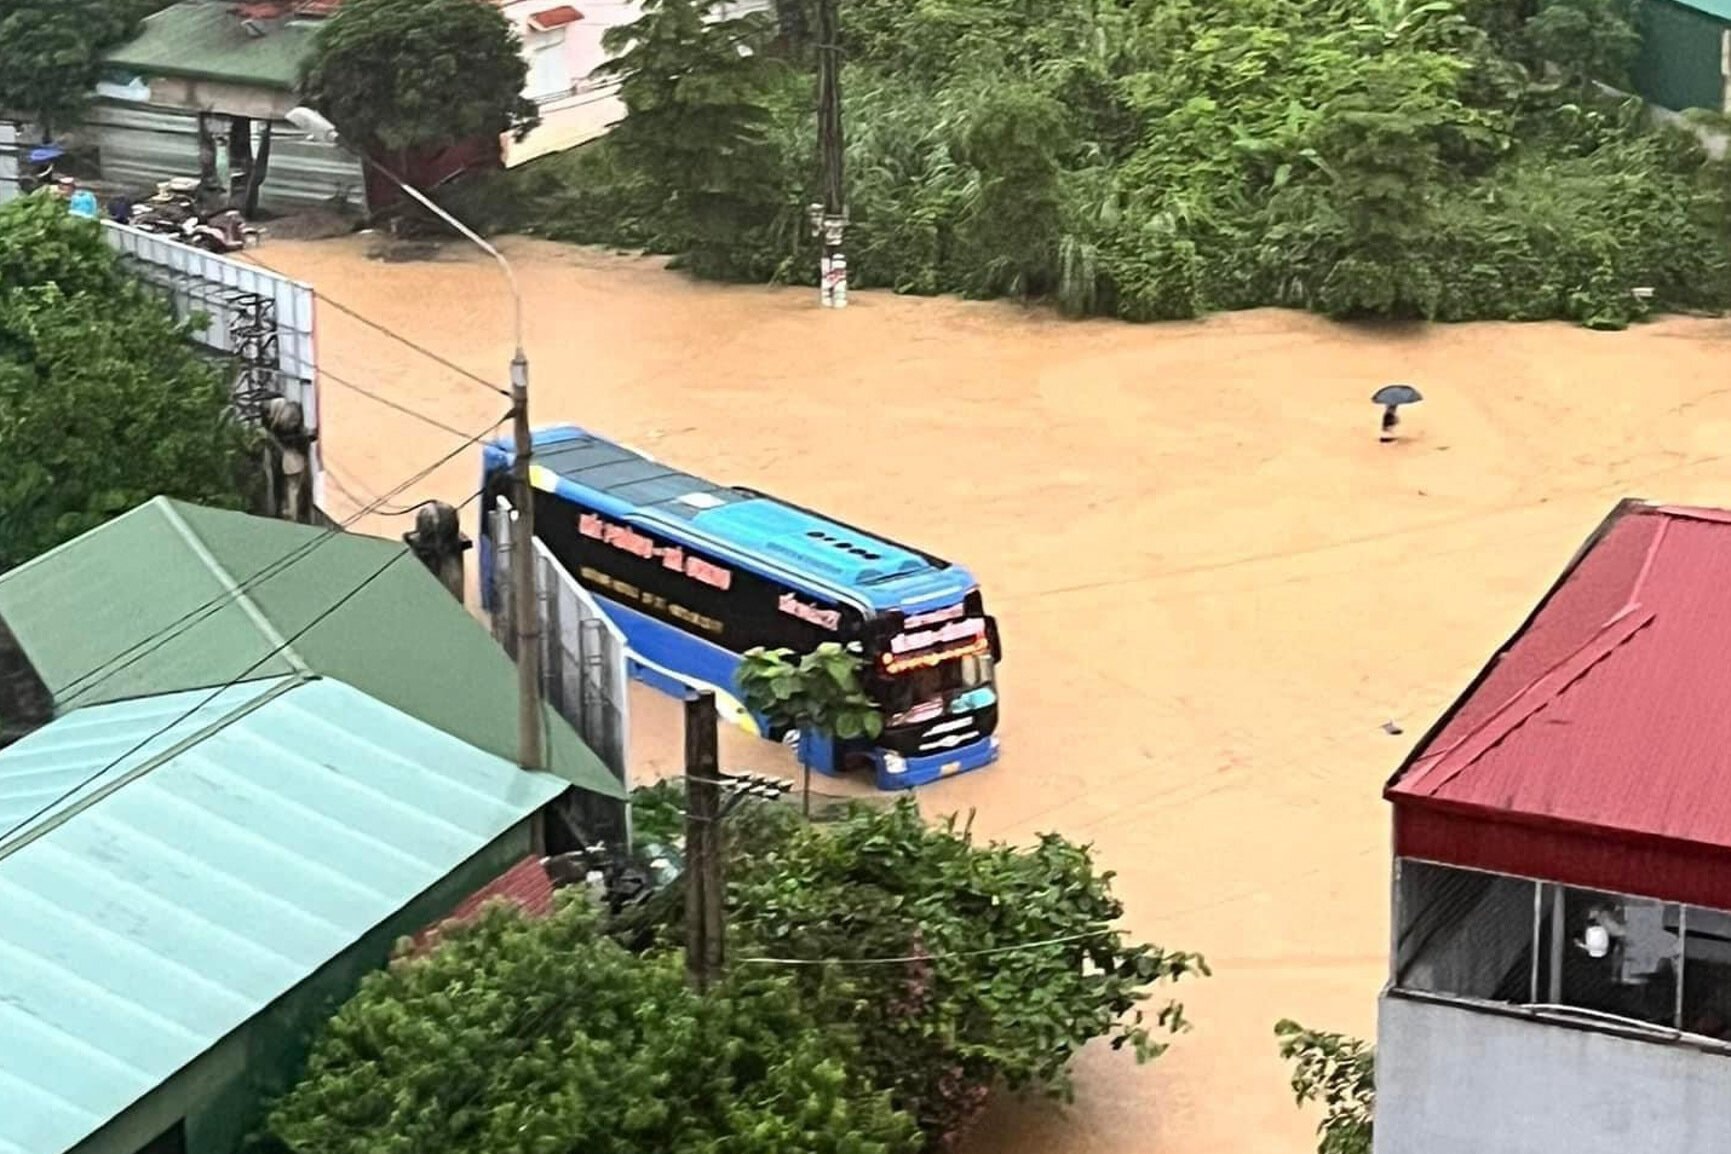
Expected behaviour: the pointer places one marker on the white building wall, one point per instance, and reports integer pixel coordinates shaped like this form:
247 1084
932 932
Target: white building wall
576 106
1451 1079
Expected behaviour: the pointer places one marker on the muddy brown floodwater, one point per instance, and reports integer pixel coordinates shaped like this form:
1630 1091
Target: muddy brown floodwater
1214 584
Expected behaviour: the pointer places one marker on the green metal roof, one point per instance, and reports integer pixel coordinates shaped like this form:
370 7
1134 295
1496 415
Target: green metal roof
205 40
1718 9
127 611
198 880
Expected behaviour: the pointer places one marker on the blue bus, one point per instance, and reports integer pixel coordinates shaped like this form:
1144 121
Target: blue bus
696 574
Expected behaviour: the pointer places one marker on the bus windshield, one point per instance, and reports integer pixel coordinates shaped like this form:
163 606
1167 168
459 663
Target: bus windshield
928 692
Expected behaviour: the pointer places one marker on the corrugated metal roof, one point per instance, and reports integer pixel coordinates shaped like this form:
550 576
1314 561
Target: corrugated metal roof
207 40
1718 9
188 888
141 588
1611 708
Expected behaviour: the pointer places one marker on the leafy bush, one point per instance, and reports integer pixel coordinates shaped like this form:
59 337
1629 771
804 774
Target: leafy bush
1341 1072
1159 158
520 1036
959 966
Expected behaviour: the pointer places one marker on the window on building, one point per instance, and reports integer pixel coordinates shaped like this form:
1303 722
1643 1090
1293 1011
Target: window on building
1464 933
1631 960
549 71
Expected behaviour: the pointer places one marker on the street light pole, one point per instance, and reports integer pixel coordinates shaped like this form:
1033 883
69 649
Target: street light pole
525 610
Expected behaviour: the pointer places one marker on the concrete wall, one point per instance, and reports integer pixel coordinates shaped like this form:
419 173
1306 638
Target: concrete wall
222 1095
1456 1080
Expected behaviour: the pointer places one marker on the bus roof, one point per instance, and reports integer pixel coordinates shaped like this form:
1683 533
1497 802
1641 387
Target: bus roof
624 483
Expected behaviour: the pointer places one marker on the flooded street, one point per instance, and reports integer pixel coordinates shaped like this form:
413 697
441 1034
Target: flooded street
1214 584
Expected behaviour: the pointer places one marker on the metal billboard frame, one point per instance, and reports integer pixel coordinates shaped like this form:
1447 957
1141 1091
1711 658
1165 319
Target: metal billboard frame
262 320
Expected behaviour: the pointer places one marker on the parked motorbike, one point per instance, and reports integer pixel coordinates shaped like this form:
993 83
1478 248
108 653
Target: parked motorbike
174 211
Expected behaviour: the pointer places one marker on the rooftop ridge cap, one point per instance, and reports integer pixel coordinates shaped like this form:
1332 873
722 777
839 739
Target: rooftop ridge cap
55 820
238 591
1541 692
1692 513
1630 506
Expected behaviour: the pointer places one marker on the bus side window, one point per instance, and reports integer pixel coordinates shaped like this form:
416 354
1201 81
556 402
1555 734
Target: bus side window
993 640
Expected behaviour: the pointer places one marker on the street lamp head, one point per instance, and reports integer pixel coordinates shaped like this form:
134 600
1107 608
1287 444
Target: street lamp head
313 123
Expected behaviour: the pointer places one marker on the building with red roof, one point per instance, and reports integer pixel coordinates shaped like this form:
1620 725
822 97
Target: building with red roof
1561 969
526 886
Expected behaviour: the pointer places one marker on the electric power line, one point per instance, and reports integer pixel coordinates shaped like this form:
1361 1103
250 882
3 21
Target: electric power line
201 704
379 509
1012 948
218 691
385 330
326 374
148 645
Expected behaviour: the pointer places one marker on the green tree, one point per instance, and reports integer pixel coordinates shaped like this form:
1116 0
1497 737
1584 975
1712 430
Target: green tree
1149 159
822 692
528 1036
1016 140
50 54
103 403
1380 144
1341 1073
699 88
1587 40
962 966
395 75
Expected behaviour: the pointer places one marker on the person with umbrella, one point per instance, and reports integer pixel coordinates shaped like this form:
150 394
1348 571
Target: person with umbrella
1391 398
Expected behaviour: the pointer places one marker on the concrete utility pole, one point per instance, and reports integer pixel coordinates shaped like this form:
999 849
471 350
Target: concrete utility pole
525 608
829 219
705 915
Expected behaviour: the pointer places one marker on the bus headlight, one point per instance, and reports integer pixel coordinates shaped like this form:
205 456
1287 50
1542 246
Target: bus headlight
894 762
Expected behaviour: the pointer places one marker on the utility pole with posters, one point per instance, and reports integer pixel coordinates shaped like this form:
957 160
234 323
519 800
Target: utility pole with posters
829 219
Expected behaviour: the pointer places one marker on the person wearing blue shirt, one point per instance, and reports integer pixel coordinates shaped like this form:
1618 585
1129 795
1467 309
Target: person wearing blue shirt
84 204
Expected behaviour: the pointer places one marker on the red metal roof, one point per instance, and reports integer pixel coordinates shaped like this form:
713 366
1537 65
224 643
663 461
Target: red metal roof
275 9
1610 710
553 18
525 885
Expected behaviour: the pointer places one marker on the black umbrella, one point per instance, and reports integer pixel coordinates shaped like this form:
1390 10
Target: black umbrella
1397 395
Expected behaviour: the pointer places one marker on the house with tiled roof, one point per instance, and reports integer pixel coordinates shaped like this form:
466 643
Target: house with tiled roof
1561 962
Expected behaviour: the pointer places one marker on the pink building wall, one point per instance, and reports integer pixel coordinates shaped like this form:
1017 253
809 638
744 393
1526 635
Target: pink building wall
575 107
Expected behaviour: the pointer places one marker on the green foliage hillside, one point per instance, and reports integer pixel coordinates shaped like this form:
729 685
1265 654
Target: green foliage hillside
1153 159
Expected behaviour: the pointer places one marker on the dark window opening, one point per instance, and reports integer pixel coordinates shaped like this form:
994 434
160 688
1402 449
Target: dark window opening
170 1141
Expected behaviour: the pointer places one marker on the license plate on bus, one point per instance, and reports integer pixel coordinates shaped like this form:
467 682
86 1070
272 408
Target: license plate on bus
949 768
